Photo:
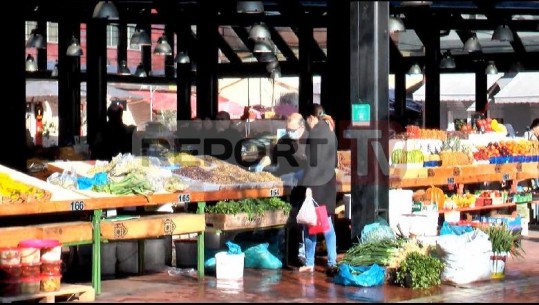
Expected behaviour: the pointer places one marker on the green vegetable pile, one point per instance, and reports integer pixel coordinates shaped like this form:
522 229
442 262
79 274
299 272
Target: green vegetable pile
130 184
253 207
381 252
419 271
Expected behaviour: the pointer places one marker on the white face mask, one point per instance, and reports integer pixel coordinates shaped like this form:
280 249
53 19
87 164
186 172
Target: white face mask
296 134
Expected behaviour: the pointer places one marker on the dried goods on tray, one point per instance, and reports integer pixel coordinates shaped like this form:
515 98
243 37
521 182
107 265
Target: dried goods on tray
226 175
12 191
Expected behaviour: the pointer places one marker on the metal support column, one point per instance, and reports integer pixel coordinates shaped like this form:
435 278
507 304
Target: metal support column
169 59
121 51
146 50
400 95
305 68
183 78
335 85
12 116
481 98
42 53
207 61
97 78
431 110
69 118
369 70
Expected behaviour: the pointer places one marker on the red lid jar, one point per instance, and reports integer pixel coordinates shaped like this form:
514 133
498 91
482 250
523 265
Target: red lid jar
10 256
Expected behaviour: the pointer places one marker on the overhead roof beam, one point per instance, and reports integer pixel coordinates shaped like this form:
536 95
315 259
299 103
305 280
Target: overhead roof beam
227 50
282 45
244 36
294 10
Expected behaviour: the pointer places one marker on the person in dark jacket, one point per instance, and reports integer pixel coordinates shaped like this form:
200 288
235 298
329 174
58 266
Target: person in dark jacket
320 177
116 137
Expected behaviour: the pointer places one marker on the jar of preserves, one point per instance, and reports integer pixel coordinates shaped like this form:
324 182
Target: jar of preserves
51 267
31 270
50 282
51 250
10 272
10 256
30 255
30 285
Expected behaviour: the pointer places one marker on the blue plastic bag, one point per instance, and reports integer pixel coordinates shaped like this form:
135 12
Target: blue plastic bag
259 257
87 183
360 276
376 231
233 248
448 229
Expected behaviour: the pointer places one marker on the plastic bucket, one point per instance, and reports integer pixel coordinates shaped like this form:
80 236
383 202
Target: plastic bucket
229 266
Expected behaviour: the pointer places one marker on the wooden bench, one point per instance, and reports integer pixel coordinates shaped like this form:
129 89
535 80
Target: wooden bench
67 293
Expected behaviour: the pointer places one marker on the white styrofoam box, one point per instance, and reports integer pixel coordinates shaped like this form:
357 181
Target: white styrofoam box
229 266
452 216
347 200
400 202
419 224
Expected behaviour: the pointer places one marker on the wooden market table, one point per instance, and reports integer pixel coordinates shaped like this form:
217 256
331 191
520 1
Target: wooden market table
65 201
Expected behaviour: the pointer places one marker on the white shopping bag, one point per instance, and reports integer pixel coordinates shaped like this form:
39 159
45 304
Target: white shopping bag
307 212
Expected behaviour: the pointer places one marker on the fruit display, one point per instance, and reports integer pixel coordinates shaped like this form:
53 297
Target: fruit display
507 148
454 152
435 195
186 160
414 132
12 191
463 201
401 156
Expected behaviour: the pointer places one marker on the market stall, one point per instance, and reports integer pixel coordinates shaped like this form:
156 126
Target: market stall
187 186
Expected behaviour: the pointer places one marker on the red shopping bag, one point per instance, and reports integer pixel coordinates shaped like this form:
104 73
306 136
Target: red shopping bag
322 223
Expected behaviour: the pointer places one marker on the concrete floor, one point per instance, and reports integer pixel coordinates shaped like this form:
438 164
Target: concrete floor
520 285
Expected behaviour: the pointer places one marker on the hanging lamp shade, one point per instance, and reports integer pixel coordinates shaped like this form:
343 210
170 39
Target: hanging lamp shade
123 69
74 48
140 38
472 44
276 73
491 68
259 32
31 65
54 72
162 47
262 46
267 57
396 25
140 72
503 33
250 7
106 10
447 61
271 66
415 69
182 58
35 40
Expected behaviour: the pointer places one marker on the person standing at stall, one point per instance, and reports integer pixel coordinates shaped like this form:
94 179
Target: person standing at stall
320 177
115 137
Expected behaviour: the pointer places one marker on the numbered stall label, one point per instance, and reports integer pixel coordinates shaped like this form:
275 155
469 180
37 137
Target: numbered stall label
77 206
184 198
275 192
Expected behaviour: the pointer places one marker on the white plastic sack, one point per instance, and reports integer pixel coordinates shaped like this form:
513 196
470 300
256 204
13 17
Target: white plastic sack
466 257
307 212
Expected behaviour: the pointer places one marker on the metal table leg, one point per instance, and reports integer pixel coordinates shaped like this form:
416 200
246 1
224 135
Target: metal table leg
200 243
96 251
